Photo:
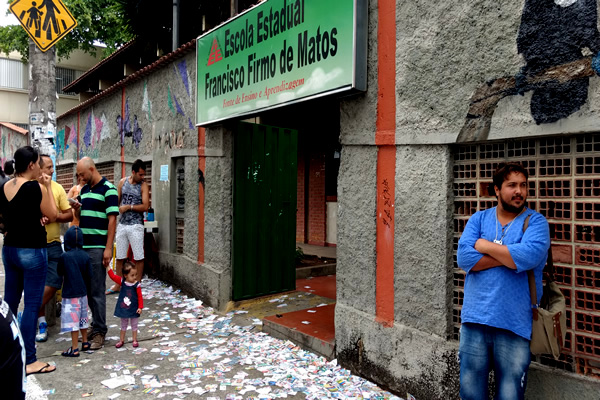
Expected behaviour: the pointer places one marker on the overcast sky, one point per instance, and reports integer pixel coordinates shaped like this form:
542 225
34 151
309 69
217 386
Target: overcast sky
6 19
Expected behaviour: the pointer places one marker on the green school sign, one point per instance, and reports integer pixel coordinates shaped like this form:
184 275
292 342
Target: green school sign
280 52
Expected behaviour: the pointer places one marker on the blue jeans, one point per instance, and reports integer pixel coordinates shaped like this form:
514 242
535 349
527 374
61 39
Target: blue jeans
97 296
25 270
483 348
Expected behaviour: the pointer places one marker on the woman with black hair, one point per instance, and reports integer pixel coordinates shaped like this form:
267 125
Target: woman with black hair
24 200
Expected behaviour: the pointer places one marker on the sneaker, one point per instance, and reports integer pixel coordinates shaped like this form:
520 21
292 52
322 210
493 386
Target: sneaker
97 342
42 335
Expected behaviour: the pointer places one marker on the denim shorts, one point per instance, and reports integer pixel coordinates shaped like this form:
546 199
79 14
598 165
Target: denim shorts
55 250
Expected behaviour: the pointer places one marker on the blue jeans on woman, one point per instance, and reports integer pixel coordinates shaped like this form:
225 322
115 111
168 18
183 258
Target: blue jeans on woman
483 348
25 270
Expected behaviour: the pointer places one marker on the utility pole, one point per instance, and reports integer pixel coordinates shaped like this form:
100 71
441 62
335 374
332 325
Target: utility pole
45 23
42 99
42 116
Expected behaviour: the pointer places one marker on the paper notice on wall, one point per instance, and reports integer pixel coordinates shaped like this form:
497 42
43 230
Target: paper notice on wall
36 131
50 131
164 173
36 118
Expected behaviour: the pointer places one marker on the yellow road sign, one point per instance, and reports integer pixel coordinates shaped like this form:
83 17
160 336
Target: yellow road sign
46 21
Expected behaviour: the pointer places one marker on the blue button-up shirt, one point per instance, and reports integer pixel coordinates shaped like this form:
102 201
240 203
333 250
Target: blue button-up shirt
499 296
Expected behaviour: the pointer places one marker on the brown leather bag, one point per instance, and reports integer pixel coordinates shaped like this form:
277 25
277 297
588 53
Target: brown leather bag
549 325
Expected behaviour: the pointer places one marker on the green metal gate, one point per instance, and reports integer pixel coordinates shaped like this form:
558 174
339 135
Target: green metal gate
264 210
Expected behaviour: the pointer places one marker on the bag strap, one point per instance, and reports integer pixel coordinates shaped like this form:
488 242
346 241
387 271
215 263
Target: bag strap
548 272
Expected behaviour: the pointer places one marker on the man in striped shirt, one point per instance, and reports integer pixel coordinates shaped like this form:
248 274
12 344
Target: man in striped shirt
98 220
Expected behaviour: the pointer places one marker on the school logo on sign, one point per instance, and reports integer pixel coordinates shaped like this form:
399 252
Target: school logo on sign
45 21
215 53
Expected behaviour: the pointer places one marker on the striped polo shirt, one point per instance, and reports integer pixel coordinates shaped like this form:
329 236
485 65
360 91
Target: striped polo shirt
97 203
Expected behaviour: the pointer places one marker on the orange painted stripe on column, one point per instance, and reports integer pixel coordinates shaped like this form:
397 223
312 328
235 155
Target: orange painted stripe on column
385 139
386 73
121 129
202 168
386 188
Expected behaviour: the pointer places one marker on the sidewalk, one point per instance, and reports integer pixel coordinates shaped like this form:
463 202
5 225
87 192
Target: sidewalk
190 351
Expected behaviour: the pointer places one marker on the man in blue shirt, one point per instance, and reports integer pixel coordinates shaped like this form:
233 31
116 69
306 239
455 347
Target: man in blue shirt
496 315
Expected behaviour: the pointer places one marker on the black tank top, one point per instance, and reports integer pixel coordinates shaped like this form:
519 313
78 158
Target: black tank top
22 217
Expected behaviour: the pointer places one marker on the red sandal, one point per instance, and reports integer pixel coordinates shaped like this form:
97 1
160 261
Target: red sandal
119 344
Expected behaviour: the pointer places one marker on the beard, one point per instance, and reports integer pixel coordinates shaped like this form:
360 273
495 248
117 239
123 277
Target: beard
510 208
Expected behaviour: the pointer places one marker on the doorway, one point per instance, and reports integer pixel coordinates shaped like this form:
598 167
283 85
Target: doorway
264 210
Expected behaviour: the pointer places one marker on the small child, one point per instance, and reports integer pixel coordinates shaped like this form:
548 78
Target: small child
130 303
76 267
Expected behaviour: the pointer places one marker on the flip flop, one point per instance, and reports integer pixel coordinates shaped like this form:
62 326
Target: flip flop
42 370
111 291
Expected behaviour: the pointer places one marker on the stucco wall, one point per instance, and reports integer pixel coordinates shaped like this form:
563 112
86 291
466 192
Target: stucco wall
10 141
156 114
356 264
444 52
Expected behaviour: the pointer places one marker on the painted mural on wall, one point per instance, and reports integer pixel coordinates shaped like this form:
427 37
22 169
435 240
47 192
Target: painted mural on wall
66 139
10 141
176 102
127 129
95 130
555 38
181 108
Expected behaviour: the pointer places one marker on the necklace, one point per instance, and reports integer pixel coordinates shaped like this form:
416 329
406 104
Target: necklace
504 232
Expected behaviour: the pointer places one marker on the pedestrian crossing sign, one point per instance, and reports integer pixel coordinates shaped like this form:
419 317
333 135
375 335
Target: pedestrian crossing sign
46 21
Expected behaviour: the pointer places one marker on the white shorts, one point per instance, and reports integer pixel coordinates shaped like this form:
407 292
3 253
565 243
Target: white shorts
130 235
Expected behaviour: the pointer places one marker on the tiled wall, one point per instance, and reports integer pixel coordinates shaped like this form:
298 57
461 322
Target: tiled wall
564 185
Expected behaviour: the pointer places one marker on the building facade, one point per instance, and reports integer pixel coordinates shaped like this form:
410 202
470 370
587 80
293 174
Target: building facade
410 159
14 97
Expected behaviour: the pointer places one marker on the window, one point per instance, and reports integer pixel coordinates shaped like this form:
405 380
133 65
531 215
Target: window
12 73
65 76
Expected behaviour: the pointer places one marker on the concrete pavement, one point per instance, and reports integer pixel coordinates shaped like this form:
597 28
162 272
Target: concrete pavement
190 351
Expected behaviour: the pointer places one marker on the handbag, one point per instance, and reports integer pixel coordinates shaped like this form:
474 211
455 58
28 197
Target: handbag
549 324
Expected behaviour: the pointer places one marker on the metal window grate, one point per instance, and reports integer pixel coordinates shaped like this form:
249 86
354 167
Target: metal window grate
65 76
179 236
564 187
148 180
